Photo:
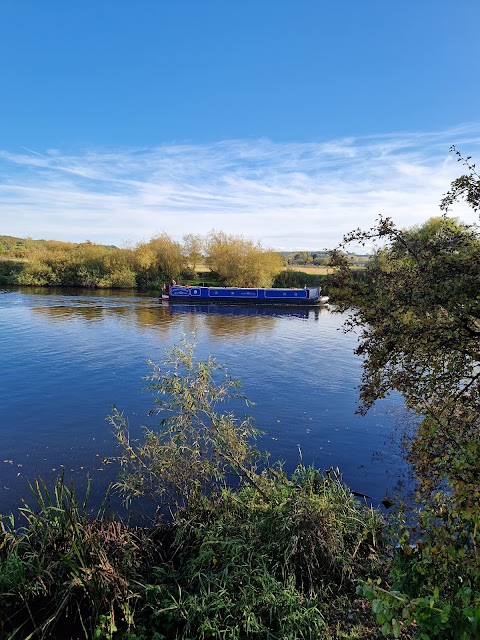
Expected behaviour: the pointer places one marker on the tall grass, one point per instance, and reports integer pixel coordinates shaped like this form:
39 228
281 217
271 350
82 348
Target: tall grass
64 573
266 561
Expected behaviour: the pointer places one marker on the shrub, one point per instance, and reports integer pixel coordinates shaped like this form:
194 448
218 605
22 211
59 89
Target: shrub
435 578
262 559
265 561
290 278
196 445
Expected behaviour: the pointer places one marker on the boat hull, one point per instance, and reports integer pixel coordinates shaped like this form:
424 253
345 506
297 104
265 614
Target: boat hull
310 296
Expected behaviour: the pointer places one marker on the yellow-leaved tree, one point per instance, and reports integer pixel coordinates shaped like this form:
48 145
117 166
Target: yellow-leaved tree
240 262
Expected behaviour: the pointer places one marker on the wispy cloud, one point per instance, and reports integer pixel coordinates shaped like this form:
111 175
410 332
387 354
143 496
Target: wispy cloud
287 195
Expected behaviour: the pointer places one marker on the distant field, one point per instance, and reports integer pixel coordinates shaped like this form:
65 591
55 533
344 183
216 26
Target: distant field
321 270
10 259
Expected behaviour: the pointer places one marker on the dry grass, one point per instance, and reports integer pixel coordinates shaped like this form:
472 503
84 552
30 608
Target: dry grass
320 270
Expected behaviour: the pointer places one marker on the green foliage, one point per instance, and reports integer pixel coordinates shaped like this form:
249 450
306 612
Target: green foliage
289 278
435 577
417 307
233 260
259 560
265 560
309 527
53 263
197 444
466 187
393 610
36 274
10 271
157 261
268 559
64 569
193 247
240 262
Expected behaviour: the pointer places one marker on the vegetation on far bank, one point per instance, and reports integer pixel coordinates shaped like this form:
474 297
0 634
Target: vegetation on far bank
217 258
241 550
231 260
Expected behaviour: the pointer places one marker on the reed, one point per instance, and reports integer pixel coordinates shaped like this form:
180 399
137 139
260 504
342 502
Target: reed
63 571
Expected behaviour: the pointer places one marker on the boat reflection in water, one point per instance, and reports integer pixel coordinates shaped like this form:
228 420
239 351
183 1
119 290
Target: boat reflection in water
243 310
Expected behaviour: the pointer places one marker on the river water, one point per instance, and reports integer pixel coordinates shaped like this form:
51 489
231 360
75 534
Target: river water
68 356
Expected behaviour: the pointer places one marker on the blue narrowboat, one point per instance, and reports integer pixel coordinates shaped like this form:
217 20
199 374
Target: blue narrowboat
309 296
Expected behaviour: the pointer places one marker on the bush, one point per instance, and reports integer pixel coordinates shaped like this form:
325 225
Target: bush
196 445
263 559
296 279
10 271
36 274
268 561
435 578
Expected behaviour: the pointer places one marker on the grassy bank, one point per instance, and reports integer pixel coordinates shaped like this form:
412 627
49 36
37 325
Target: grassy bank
277 561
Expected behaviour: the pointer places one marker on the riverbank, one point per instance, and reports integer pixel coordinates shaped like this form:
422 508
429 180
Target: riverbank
280 560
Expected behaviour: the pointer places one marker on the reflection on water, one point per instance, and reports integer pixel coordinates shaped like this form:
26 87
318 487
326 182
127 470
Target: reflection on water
227 321
95 311
68 356
152 313
240 310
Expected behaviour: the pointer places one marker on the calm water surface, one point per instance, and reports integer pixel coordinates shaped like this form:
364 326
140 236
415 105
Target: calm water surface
68 356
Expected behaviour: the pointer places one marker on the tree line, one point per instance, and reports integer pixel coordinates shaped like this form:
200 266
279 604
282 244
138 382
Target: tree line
229 259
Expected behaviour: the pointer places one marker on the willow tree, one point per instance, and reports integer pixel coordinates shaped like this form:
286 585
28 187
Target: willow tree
160 258
240 262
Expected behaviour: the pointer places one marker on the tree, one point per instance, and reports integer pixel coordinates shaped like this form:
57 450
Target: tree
240 262
159 259
416 307
169 256
466 187
303 257
193 245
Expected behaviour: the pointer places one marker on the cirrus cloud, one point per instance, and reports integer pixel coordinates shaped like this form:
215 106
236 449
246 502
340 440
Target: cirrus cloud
286 195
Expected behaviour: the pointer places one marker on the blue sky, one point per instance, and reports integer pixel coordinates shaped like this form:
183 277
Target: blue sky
288 122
